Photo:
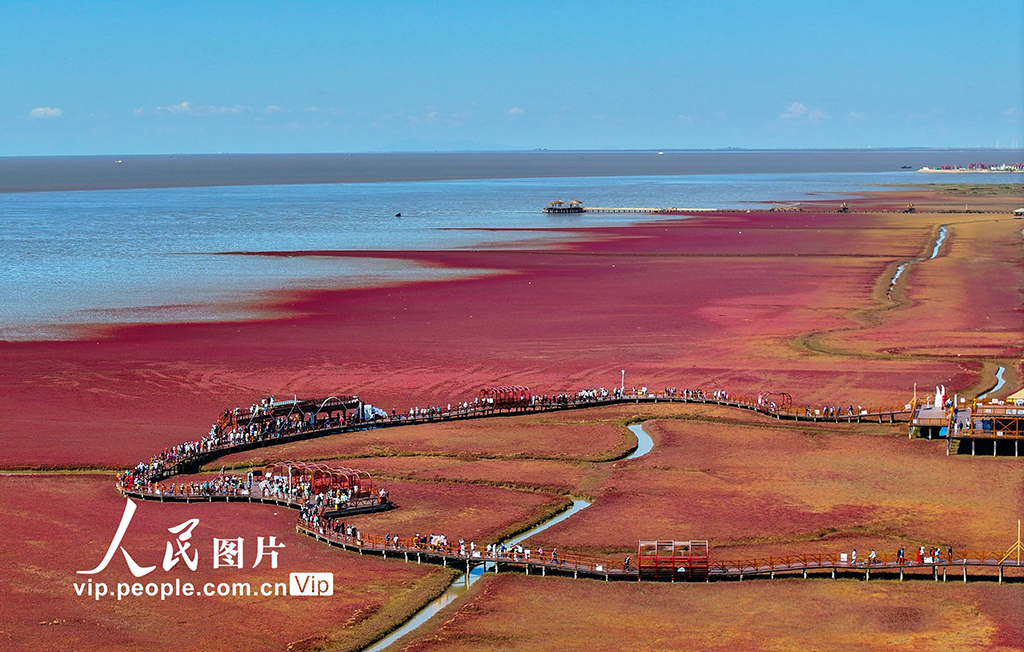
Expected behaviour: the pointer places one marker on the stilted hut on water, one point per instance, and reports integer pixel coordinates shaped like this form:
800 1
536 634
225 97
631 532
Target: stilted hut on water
558 206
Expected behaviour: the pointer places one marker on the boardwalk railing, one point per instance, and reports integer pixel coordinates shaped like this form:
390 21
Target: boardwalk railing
168 464
607 569
144 481
421 552
357 505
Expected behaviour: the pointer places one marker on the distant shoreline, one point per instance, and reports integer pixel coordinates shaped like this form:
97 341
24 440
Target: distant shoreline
115 172
962 171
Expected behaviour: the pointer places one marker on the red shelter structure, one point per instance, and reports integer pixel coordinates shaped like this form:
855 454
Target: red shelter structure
322 477
506 396
673 560
310 409
782 400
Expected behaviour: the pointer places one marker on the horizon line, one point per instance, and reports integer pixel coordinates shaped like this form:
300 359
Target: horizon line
537 150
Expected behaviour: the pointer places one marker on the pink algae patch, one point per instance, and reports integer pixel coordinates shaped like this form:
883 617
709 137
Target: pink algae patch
687 303
64 523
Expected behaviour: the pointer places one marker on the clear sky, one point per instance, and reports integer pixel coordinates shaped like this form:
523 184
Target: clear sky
89 77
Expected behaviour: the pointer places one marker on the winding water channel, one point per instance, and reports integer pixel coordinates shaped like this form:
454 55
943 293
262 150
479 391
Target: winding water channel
1000 381
644 443
462 583
904 265
939 241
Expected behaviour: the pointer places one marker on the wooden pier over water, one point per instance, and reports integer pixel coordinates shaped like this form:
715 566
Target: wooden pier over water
578 207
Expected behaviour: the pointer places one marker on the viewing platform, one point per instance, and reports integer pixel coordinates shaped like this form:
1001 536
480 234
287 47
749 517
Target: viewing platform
995 424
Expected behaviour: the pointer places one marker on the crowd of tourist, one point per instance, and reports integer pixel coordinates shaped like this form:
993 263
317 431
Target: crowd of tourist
268 420
434 543
925 557
239 427
833 411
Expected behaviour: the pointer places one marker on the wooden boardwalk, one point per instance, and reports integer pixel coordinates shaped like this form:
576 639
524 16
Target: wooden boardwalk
574 565
807 566
364 506
193 463
655 211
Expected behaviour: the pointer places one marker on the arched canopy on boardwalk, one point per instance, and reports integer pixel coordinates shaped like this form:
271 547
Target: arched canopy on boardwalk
322 477
293 409
780 399
506 395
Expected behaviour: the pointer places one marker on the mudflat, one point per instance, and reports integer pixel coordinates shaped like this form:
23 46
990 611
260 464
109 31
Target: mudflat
799 302
747 302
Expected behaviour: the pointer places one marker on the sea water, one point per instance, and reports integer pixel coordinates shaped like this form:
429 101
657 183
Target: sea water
157 254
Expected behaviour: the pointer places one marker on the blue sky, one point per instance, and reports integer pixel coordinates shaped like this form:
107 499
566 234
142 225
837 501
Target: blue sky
138 77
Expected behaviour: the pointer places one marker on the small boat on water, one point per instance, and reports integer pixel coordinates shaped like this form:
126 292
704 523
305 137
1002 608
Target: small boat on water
906 167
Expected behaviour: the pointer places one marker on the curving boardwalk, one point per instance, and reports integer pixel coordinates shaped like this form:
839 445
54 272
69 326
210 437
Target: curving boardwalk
144 482
211 449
